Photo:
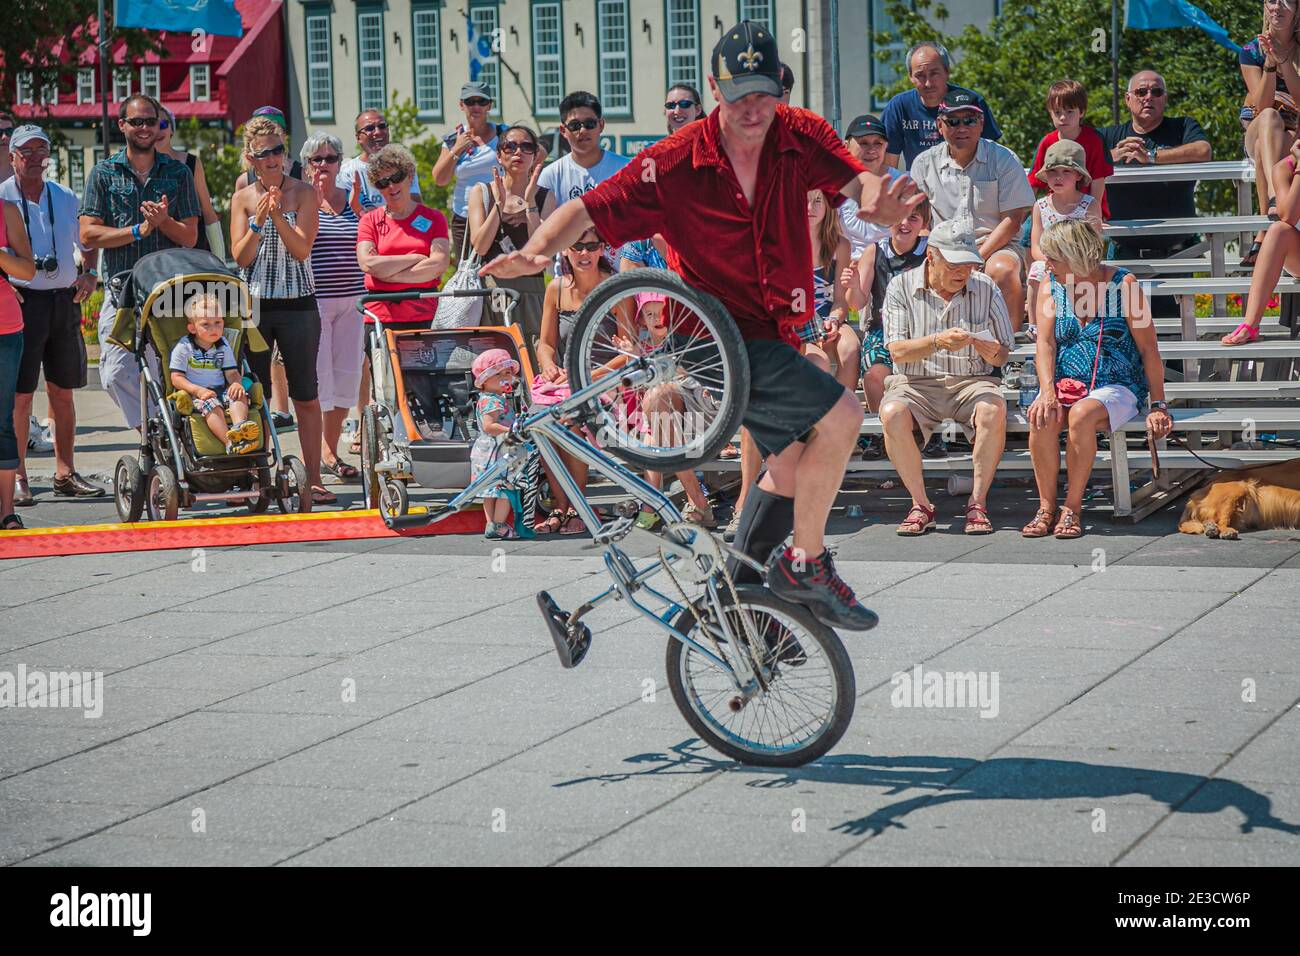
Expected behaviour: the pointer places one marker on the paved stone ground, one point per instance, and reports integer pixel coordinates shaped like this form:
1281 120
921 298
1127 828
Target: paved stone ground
1147 713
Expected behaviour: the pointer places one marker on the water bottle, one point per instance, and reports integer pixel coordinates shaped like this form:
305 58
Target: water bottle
1028 384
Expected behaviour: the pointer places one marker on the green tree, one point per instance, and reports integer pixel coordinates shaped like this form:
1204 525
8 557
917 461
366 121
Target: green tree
406 127
1032 43
222 163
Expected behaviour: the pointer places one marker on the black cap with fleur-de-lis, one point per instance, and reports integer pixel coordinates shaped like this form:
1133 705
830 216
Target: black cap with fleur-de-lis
746 60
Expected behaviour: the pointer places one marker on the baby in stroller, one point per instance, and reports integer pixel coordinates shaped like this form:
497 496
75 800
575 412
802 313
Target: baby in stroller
204 366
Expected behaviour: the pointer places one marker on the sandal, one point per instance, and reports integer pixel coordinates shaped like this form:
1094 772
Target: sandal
11 523
1068 526
1241 335
1041 526
551 523
572 523
700 516
731 452
340 470
918 521
320 495
1251 254
977 520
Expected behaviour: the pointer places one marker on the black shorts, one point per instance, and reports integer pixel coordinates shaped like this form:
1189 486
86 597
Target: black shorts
52 339
788 395
294 325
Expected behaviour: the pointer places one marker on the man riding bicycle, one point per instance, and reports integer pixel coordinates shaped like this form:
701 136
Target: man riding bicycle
743 238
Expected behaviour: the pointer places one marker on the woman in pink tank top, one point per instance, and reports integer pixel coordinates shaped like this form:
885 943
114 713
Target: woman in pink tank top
16 262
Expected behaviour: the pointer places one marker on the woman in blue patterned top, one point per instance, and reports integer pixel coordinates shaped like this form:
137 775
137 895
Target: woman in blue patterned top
1094 328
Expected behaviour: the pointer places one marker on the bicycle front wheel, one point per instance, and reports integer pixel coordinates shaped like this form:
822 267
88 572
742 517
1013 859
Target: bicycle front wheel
802 712
676 364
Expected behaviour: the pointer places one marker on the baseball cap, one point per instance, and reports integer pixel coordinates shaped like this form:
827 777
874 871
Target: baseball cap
957 101
865 125
1066 154
955 240
274 114
25 134
475 88
746 60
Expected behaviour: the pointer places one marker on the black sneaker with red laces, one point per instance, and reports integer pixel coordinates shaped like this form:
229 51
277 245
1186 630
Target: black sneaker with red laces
814 583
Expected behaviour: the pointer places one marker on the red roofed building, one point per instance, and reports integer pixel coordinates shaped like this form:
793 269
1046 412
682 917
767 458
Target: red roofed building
215 79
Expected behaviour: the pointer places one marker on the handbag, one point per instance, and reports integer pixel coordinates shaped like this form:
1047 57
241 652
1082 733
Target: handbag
461 312
1070 390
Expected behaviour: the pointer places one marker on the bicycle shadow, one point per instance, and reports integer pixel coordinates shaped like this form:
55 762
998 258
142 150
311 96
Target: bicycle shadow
946 780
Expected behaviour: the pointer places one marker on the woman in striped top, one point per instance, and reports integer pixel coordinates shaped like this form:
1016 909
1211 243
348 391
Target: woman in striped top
339 281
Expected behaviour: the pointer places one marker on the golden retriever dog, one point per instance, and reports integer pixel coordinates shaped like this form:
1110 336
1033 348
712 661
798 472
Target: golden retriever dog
1245 499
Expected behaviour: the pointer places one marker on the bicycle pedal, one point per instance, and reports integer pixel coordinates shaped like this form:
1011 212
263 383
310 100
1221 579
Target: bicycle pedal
572 641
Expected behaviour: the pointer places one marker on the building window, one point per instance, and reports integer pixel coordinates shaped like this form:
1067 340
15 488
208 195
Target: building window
888 73
486 23
86 86
49 93
76 169
98 154
370 57
24 91
320 67
760 11
614 57
53 171
200 90
150 82
426 30
122 83
548 59
683 36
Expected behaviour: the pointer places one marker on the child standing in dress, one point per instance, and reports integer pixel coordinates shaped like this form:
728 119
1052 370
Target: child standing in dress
1067 180
495 376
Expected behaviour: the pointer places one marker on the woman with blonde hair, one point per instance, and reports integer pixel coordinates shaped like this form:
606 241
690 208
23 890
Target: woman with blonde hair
1270 67
1097 362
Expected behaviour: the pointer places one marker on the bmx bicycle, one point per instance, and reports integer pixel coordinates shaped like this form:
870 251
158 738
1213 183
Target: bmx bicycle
757 678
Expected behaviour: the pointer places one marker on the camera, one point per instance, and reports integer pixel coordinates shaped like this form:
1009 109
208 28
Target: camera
48 263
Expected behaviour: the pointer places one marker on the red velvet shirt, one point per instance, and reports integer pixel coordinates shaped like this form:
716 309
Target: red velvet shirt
757 260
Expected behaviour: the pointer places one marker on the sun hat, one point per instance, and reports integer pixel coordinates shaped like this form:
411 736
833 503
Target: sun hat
491 362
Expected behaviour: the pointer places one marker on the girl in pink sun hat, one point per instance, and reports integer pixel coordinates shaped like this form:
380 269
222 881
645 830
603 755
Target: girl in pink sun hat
495 376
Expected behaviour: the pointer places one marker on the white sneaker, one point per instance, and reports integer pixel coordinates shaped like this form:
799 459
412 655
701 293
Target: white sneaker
39 438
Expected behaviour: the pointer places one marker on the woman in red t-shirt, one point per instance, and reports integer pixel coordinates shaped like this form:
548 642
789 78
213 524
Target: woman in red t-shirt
400 245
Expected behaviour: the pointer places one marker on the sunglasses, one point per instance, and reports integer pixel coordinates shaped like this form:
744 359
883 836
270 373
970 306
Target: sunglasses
955 121
138 121
1155 91
587 246
476 101
6 130
372 128
387 181
324 160
574 125
267 153
529 148
680 104
163 124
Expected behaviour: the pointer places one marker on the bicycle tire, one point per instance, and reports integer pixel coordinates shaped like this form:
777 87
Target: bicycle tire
808 629
725 389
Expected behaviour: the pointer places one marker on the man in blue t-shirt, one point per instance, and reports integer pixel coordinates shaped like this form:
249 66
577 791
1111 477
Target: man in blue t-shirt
912 118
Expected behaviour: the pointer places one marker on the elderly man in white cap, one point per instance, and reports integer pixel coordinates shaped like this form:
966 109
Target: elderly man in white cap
947 329
51 306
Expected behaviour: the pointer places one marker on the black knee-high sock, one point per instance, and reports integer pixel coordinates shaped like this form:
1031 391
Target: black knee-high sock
765 523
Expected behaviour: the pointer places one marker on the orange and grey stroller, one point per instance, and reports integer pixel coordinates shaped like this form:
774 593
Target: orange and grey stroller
180 462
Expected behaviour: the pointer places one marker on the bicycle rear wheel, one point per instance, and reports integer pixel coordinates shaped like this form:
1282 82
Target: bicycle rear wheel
809 698
678 385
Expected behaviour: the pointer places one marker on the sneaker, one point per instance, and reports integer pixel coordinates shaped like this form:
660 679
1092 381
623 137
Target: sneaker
935 448
872 447
281 420
74 486
247 432
646 520
729 532
818 587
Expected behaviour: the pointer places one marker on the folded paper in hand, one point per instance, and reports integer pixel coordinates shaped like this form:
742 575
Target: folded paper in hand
984 335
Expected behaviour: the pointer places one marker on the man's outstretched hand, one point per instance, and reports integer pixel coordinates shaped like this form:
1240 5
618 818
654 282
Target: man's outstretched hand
886 201
514 265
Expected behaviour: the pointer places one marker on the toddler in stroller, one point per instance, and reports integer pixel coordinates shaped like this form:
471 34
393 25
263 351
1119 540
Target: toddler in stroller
203 365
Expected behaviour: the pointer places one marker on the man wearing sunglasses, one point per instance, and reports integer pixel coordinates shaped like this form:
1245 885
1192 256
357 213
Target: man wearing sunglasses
136 202
372 136
586 165
969 177
1148 138
743 238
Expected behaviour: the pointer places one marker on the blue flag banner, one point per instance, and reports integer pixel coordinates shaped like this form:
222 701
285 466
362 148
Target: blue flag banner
1166 14
480 49
218 17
